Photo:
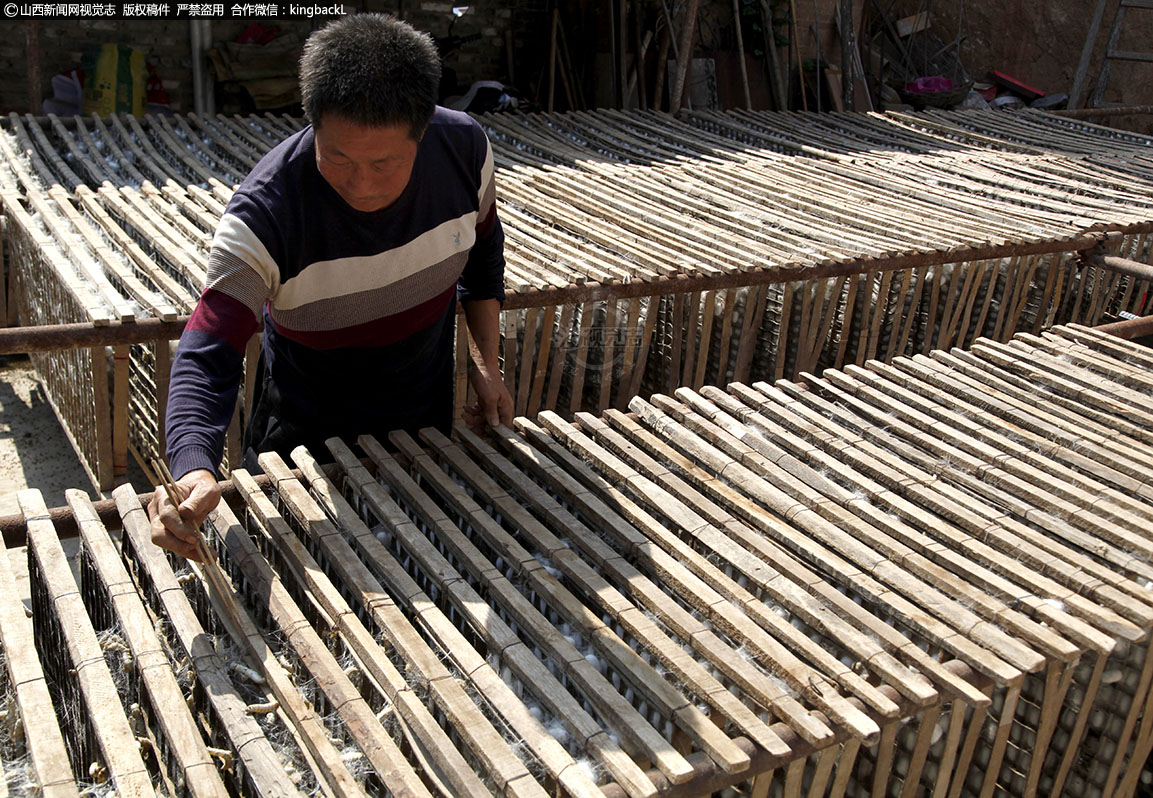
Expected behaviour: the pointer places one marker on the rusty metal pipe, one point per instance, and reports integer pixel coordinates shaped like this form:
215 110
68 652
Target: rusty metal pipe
82 335
15 529
779 274
1129 328
1132 268
26 340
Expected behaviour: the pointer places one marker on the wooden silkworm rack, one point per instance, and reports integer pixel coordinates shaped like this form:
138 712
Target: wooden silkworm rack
927 577
645 252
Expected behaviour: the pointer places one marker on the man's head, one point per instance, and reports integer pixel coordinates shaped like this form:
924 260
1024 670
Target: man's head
369 87
372 70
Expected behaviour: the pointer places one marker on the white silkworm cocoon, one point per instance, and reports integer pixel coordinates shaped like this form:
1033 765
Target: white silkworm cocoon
559 732
589 768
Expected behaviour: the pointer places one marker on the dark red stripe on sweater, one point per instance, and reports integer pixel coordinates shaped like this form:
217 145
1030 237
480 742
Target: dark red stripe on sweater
379 332
224 317
484 228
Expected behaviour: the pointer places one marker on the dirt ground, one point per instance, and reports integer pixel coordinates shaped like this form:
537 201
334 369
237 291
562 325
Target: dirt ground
35 453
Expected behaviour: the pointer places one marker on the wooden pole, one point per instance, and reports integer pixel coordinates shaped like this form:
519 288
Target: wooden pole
795 47
53 337
776 79
32 45
622 49
685 55
848 46
552 56
662 59
642 44
741 54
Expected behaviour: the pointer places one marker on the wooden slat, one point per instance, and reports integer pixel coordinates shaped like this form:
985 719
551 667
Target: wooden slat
101 710
181 739
261 764
43 738
604 748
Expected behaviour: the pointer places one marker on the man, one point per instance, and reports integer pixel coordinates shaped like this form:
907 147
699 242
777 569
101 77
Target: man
354 238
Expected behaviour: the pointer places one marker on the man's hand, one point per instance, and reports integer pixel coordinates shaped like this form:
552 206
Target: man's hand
174 528
493 403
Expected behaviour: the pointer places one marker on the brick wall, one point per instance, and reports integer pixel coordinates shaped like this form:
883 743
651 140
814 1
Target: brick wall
166 44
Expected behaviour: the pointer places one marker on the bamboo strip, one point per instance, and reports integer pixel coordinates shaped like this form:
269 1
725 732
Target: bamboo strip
43 738
189 754
1009 707
784 705
1093 433
787 507
922 548
1015 469
1023 543
485 743
972 734
845 762
809 684
884 759
528 668
644 680
998 411
600 591
388 763
945 769
1057 680
263 768
54 587
847 608
624 718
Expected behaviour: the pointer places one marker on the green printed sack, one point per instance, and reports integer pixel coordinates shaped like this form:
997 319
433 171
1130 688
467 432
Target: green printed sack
114 81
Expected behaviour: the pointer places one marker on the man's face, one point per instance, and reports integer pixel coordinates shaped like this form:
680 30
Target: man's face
368 166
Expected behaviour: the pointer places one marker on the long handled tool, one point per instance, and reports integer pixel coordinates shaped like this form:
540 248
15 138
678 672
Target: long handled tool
211 574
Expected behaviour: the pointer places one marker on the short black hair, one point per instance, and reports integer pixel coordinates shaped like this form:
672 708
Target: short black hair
371 69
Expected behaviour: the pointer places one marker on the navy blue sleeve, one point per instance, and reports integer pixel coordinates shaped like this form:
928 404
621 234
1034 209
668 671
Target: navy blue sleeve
206 375
483 275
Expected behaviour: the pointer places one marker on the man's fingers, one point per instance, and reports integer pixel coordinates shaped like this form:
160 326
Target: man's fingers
197 505
164 537
166 540
167 519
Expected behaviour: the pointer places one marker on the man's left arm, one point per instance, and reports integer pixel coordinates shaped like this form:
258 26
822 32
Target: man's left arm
494 403
481 291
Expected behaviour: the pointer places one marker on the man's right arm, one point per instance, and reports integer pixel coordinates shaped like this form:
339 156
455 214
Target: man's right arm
205 381
206 375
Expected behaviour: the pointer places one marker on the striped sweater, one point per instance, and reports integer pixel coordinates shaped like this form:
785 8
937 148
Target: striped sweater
358 307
